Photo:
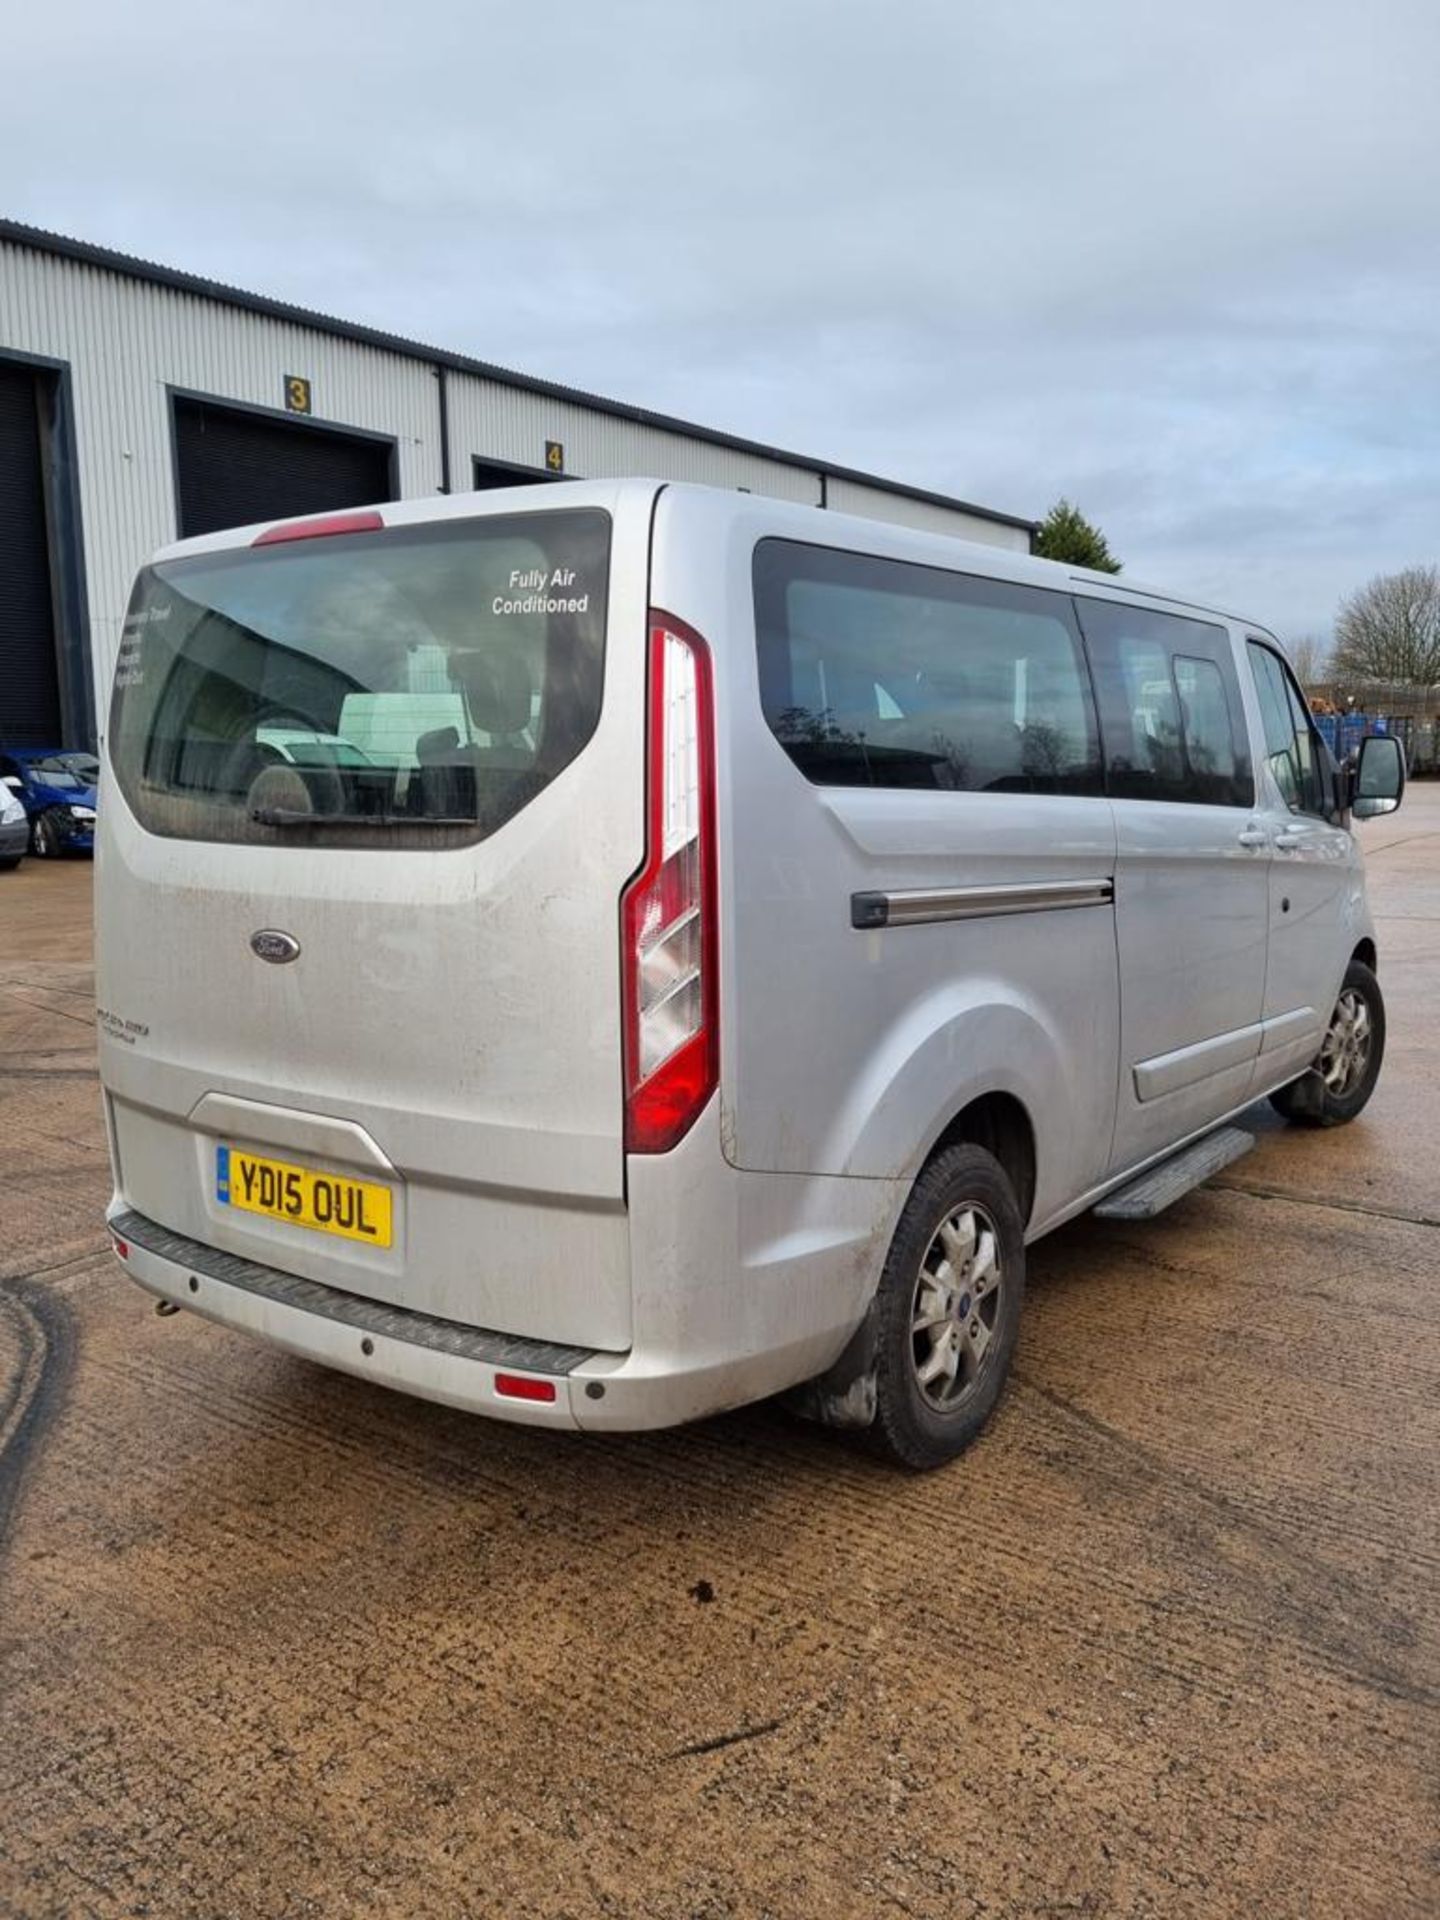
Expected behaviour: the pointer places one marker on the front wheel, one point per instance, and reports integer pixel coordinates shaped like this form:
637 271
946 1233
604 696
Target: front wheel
44 839
947 1309
1343 1075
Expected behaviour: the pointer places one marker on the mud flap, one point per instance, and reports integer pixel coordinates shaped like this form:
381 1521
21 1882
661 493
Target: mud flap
1307 1095
844 1395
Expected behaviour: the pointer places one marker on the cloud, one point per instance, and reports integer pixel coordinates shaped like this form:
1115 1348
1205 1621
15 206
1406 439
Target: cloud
1181 266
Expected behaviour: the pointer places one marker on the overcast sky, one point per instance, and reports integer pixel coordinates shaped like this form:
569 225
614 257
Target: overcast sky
1181 264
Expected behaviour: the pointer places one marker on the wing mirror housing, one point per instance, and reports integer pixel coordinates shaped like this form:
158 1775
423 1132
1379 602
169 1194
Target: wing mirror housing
1377 781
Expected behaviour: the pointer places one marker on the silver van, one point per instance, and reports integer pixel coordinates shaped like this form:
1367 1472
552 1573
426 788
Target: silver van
603 955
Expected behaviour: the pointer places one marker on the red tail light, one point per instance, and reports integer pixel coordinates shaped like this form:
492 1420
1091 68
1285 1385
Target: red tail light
367 521
670 950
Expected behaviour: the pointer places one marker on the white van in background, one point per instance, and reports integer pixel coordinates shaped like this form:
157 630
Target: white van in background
603 956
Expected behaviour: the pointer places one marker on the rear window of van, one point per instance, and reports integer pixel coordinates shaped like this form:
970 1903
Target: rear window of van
415 686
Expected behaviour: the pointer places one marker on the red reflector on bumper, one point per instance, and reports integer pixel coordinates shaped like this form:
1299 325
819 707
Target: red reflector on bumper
122 1247
320 527
515 1386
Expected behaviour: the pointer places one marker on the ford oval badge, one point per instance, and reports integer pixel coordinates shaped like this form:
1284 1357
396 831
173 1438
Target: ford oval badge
276 947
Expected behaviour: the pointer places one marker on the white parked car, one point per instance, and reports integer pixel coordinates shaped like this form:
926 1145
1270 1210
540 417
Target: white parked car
740 930
14 825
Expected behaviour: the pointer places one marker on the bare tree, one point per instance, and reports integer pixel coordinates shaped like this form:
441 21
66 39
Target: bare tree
1390 630
1310 657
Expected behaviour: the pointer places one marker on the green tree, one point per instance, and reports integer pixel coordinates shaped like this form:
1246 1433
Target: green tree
1390 630
1065 534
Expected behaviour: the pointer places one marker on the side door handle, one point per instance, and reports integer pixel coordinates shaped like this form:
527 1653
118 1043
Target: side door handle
1289 838
1253 837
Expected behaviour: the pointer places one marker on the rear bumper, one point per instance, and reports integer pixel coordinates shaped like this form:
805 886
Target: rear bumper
449 1363
414 1352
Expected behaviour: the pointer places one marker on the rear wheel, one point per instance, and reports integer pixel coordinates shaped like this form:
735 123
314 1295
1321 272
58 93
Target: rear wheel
10 860
947 1309
1343 1075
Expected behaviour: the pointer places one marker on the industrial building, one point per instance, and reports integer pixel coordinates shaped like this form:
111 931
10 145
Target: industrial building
139 405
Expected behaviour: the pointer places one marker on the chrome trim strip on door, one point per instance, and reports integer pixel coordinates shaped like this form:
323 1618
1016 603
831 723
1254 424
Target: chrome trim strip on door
914 906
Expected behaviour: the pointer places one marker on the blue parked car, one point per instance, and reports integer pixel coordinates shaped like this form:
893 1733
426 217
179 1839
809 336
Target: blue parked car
56 787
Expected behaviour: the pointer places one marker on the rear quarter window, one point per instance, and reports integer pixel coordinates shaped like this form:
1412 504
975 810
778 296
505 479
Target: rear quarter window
877 672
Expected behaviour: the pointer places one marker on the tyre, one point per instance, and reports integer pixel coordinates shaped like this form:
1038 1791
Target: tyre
947 1309
44 840
1342 1076
10 860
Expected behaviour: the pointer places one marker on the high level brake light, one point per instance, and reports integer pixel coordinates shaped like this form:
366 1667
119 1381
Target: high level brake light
670 957
321 527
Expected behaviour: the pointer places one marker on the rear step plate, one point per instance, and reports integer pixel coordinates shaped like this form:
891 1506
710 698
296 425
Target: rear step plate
1142 1199
355 1310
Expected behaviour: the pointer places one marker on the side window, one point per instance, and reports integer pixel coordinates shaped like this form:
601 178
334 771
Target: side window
1312 777
880 673
1170 707
1290 747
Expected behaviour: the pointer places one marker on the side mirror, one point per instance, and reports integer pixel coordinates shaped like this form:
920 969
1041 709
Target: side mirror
1379 783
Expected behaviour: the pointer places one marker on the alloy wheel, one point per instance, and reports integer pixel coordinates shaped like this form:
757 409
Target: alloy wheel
955 1307
1345 1052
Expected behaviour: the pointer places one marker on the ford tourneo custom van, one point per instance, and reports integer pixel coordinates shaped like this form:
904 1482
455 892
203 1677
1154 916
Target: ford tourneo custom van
600 956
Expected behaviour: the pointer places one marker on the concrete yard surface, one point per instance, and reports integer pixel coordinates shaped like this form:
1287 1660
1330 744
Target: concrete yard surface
1166 1642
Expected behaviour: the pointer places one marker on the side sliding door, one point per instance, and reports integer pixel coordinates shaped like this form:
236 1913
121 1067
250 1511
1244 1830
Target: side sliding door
1191 873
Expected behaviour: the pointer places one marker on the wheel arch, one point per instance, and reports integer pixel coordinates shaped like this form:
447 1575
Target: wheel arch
1366 954
1001 1124
979 1061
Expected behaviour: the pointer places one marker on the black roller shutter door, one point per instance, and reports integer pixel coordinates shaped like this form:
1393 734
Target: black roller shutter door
485 474
29 675
235 468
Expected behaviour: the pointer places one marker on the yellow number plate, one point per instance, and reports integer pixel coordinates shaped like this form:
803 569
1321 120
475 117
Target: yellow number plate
325 1202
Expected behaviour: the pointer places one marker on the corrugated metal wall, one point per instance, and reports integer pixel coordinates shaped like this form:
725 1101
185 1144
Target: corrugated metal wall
127 341
505 423
903 510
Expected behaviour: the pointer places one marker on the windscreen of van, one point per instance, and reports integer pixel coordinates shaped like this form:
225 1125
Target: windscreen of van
416 686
